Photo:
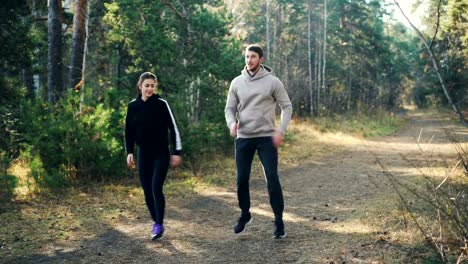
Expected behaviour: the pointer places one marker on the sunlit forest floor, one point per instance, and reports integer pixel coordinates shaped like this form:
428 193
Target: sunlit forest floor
340 207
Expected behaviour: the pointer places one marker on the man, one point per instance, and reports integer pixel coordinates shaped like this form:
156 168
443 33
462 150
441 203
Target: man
250 116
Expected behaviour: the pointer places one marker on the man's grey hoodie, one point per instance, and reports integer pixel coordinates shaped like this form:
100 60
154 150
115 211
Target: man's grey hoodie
252 102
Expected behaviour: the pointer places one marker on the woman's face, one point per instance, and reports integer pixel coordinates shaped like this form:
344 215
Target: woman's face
148 88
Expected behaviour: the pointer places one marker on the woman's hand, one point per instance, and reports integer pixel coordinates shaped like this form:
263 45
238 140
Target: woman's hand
130 161
176 160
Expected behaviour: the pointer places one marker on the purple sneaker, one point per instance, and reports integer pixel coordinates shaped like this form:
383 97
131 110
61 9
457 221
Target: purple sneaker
158 231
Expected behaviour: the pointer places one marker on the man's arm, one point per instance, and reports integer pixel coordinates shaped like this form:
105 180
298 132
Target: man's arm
282 98
230 111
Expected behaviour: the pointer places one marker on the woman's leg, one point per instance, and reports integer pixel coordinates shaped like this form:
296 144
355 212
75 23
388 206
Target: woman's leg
161 166
145 173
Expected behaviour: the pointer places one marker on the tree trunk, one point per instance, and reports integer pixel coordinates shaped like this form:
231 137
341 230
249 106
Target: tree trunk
27 77
324 66
309 57
267 24
436 68
286 73
349 81
274 44
279 40
77 59
54 65
27 71
319 76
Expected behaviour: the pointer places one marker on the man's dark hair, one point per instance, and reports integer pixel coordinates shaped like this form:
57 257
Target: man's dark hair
255 48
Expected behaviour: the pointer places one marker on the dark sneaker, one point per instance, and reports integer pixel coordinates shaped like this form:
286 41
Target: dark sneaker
279 230
158 231
243 221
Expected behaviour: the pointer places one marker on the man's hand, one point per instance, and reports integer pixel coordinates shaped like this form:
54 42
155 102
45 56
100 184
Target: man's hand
278 139
233 130
176 160
130 161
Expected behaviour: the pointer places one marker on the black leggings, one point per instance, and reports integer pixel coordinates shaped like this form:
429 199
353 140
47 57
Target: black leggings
152 170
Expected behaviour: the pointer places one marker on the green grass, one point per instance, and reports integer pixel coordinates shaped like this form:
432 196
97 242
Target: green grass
180 187
377 125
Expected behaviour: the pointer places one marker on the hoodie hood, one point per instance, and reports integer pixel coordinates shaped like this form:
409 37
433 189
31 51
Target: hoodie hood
264 71
154 96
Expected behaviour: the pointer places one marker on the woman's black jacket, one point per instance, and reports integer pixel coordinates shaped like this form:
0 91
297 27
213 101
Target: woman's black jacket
147 124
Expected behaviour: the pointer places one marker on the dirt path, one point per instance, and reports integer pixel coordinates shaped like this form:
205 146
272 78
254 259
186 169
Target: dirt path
327 201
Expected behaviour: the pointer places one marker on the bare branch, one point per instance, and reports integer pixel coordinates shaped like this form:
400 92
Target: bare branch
463 256
437 24
427 237
448 175
171 6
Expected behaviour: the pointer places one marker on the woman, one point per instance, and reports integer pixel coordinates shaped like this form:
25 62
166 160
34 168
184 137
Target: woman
149 118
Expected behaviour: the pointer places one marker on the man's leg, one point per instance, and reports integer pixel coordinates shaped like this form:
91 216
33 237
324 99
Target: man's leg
245 150
268 154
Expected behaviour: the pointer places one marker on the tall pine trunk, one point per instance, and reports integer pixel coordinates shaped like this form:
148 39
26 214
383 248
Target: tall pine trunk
27 70
324 65
76 74
309 57
27 78
54 64
267 24
319 75
278 40
349 82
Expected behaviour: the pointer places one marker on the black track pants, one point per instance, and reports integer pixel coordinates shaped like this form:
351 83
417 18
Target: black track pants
268 154
152 170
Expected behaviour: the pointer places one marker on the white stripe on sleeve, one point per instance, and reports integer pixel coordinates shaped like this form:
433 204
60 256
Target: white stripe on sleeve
177 134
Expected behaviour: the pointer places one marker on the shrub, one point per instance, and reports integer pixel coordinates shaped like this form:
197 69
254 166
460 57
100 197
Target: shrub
9 149
63 143
203 141
7 182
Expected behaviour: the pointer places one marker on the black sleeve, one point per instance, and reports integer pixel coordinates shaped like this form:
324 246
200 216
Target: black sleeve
175 135
129 131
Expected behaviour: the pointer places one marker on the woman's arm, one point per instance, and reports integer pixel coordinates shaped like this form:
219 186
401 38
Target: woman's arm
175 135
129 135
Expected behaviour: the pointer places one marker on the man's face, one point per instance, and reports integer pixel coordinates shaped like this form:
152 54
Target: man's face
252 61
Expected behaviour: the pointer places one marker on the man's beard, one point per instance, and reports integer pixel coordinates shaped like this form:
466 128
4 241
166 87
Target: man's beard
253 69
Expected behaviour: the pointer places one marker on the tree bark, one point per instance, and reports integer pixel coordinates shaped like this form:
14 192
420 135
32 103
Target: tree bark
349 82
267 24
324 66
77 59
27 71
27 77
309 57
54 65
278 40
318 80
